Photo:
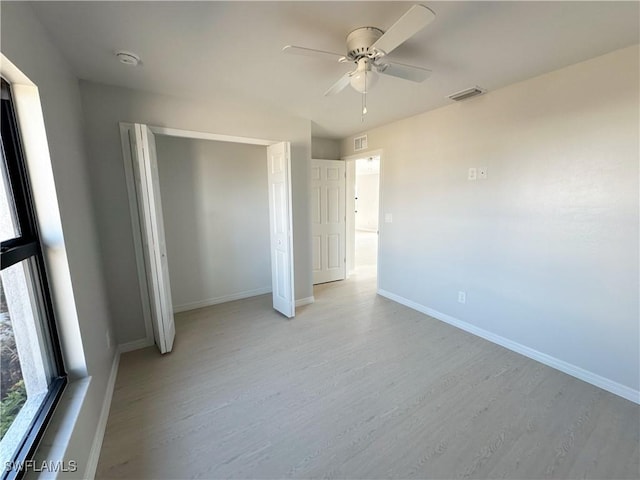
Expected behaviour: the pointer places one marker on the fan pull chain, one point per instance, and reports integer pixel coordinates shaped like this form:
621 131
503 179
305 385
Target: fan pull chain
364 99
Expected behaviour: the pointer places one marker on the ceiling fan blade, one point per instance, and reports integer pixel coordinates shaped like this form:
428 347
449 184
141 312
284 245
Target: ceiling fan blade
339 85
414 20
407 72
311 52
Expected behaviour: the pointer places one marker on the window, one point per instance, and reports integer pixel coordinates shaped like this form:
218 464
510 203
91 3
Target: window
32 372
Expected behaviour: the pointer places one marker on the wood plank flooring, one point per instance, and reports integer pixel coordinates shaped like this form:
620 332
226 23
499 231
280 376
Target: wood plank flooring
356 386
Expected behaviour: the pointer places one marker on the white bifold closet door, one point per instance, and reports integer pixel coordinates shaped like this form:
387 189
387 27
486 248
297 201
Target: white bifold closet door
146 203
145 169
281 227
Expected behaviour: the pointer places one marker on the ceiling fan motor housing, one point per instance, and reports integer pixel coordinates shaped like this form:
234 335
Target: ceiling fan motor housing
359 42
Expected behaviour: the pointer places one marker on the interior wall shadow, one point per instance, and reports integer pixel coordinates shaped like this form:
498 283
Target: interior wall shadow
215 209
178 188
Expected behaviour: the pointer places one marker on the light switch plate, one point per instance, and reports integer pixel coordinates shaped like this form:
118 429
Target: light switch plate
473 173
388 218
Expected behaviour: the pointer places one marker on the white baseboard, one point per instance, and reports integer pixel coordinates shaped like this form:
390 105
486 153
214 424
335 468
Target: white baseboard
566 367
135 345
96 447
305 301
224 298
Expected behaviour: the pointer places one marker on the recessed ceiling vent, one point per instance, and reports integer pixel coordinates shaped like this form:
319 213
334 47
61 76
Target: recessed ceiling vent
468 93
360 143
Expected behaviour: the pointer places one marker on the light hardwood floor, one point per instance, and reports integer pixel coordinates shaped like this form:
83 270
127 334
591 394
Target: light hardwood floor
356 386
366 250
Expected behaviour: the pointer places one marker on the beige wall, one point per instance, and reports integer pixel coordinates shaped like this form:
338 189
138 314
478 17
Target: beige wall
325 148
215 203
546 248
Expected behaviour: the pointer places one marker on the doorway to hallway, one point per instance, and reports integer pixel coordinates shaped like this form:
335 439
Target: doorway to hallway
366 215
362 217
366 262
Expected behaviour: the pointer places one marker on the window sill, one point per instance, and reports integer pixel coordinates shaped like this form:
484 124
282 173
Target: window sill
52 450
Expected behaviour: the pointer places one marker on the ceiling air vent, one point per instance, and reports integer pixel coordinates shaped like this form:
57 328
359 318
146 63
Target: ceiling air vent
360 143
468 93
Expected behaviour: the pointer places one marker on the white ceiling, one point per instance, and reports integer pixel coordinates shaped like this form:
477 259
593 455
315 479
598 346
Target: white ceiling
203 50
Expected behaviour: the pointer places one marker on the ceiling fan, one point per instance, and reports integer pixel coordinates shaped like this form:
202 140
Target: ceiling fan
368 47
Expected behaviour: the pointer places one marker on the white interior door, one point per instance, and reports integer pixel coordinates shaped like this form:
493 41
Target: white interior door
281 227
328 220
155 251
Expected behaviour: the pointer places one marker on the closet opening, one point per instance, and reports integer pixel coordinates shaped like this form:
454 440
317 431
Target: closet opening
211 219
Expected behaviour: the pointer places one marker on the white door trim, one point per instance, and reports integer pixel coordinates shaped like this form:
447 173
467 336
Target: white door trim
176 132
351 214
127 135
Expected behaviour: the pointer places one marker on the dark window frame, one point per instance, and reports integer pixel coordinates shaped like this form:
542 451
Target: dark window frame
27 245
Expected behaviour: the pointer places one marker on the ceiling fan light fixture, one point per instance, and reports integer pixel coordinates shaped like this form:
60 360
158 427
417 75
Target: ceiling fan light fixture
368 46
364 78
364 81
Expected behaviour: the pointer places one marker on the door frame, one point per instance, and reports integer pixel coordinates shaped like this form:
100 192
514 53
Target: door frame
351 216
125 130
